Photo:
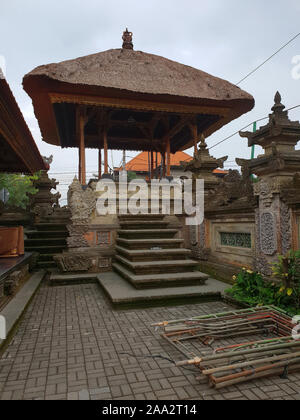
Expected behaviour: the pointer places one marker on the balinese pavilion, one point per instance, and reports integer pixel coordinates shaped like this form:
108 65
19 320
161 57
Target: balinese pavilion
122 99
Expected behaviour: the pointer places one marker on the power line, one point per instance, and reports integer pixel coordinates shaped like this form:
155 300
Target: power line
268 59
244 128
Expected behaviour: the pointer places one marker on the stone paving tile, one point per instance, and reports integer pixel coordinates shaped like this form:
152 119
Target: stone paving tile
72 345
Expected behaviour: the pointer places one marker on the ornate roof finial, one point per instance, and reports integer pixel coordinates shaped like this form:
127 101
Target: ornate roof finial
278 107
127 40
277 98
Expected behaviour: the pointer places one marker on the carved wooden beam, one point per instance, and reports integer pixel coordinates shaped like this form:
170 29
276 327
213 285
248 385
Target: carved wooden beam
178 127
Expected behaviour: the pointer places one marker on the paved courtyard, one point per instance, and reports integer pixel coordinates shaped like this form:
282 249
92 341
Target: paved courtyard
71 344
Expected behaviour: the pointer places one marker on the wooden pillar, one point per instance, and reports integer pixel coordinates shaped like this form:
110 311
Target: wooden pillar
164 163
105 152
152 164
168 150
195 137
156 166
100 163
82 165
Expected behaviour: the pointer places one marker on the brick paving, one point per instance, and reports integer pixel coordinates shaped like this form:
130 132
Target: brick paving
69 347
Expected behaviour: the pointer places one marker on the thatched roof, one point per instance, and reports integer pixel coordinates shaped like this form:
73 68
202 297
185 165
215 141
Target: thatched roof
18 150
124 85
139 72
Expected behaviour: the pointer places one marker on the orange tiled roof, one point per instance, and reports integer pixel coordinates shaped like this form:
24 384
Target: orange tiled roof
140 162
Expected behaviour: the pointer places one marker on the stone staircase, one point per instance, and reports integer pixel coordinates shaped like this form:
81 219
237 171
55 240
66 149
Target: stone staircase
149 254
47 239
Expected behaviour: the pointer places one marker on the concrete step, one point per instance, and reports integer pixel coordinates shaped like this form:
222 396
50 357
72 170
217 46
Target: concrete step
131 217
46 257
122 293
14 310
140 244
147 233
45 249
51 226
154 254
158 267
143 224
35 234
46 264
160 280
58 279
45 241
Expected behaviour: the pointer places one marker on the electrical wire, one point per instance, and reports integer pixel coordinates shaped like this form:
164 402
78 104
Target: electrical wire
156 356
268 59
244 128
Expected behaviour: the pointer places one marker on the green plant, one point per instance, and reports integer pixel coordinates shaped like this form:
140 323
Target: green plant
18 186
252 289
287 270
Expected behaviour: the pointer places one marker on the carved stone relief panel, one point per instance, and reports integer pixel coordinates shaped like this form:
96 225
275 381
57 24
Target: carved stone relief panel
194 235
265 189
268 238
261 263
285 228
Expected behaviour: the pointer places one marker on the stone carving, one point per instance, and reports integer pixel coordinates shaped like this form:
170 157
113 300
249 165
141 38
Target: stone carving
48 160
83 262
234 191
194 235
44 203
199 250
104 262
290 193
268 241
261 264
81 202
73 262
77 241
203 166
266 189
285 228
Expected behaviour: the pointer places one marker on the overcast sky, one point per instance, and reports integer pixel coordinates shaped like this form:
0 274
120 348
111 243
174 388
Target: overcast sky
227 38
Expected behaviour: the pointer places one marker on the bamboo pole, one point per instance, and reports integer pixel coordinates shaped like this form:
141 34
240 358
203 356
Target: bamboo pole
217 315
252 362
214 357
263 374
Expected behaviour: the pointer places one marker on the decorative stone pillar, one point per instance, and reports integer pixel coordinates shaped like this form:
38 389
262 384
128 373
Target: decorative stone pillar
202 167
42 203
82 203
275 169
